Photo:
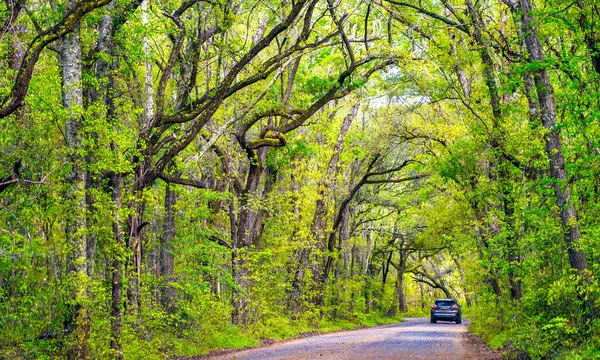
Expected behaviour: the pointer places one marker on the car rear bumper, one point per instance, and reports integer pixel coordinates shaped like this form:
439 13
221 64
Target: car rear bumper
445 315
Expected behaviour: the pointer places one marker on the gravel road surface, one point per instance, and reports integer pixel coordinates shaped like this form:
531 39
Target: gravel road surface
415 338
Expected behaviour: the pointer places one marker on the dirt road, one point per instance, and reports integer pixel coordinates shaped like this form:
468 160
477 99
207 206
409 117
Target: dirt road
415 338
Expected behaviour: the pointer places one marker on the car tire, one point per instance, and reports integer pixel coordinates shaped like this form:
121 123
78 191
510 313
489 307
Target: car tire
458 321
433 321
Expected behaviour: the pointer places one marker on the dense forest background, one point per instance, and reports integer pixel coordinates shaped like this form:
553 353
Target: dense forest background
178 177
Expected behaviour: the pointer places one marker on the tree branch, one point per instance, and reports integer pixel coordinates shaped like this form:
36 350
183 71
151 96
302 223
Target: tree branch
340 26
182 181
396 181
12 178
462 27
19 90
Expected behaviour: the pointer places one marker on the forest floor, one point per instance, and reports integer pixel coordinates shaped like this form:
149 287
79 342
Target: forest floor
415 338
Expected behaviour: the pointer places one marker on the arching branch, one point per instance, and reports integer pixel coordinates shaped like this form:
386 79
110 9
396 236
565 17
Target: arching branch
182 181
462 27
21 85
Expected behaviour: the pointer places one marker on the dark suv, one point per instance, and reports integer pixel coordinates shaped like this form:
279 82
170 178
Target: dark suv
446 310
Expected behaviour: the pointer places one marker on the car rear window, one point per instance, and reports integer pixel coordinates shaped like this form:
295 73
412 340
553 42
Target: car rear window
445 303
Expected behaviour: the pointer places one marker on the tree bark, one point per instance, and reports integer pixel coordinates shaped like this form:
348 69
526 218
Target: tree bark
117 269
488 64
400 294
545 94
135 222
245 235
320 218
513 253
135 225
461 274
70 61
166 251
497 142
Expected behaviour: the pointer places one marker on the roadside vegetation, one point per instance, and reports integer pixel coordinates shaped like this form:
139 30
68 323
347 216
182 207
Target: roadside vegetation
178 177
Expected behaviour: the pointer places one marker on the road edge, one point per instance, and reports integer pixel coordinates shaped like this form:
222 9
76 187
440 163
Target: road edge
263 343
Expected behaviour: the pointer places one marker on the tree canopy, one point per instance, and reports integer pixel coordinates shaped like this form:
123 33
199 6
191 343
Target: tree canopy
183 176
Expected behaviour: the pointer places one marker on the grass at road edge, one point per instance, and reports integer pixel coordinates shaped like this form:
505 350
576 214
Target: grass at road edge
235 338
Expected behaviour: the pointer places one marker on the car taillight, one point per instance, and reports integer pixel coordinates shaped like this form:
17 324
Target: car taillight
434 306
455 307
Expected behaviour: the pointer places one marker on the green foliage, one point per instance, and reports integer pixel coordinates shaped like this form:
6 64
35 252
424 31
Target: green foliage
283 158
317 86
474 212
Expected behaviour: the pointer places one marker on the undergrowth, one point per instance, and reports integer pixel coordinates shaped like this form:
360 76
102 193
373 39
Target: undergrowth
234 337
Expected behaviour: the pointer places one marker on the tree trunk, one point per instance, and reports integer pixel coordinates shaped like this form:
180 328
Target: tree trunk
70 61
320 218
514 257
244 236
134 243
166 251
117 269
421 294
547 110
497 142
100 94
135 221
490 277
488 64
148 87
400 294
386 268
239 300
461 275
